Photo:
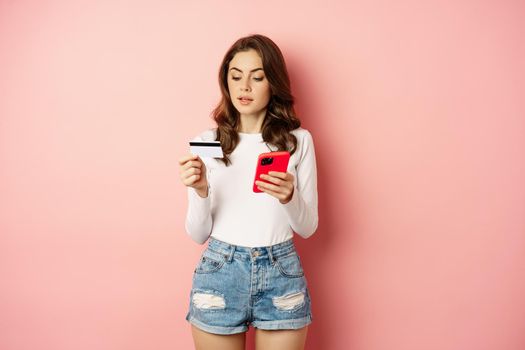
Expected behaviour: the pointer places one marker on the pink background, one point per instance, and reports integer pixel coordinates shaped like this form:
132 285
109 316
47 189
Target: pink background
417 112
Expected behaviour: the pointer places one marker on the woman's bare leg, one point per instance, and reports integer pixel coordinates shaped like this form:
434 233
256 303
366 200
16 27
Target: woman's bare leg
208 341
282 339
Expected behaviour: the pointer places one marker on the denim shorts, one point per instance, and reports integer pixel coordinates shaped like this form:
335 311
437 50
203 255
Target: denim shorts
235 286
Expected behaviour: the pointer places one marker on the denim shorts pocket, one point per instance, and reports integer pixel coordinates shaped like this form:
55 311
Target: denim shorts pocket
210 261
290 265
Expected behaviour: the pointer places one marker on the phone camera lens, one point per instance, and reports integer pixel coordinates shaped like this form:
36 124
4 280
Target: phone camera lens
267 160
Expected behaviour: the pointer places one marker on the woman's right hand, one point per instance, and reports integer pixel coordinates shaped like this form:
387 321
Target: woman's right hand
193 174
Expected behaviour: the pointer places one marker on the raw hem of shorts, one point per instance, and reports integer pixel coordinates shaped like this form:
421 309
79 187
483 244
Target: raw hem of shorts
217 329
283 324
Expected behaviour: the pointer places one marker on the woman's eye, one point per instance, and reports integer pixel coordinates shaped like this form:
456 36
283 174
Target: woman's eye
256 79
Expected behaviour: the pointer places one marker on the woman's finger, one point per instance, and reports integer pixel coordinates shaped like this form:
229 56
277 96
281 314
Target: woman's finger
191 180
268 186
281 175
186 158
272 179
194 163
190 172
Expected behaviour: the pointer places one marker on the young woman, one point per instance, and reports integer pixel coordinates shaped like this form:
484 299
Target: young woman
250 272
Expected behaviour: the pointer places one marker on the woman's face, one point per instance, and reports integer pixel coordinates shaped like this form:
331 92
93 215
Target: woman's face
246 79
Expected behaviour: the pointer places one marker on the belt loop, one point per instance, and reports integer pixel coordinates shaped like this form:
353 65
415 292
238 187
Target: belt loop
232 250
270 254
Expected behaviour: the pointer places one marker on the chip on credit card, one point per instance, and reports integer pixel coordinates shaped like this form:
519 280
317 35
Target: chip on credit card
210 149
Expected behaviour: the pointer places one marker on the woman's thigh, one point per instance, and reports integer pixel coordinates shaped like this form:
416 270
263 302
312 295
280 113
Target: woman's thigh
209 341
286 339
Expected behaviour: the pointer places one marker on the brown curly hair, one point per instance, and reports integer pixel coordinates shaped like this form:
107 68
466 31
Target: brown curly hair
280 116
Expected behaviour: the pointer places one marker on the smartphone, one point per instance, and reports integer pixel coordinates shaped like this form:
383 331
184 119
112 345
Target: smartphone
270 161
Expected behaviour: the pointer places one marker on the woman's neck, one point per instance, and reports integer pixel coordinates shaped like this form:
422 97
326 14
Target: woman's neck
251 124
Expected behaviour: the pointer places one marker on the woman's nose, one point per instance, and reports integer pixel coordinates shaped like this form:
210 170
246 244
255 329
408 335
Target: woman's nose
245 86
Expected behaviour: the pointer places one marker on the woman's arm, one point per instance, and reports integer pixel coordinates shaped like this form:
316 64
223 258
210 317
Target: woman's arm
302 208
195 175
299 198
198 217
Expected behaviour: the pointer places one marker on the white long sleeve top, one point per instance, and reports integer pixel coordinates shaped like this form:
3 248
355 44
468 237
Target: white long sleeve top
233 213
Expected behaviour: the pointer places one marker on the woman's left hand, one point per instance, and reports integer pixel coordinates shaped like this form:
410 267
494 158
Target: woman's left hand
280 186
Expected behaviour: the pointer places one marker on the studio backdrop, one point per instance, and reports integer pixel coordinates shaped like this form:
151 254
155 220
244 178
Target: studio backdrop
416 109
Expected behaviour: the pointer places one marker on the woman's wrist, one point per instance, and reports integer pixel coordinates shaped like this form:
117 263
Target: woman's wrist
202 192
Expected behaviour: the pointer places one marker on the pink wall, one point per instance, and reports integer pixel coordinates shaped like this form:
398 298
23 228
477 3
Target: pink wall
417 110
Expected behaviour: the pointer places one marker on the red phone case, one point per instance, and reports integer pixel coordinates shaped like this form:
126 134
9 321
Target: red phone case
279 162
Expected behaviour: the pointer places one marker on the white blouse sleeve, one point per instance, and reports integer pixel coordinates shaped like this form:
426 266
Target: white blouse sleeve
198 217
302 208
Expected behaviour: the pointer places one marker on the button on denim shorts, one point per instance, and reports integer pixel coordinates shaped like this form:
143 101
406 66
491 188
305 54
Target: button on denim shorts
235 286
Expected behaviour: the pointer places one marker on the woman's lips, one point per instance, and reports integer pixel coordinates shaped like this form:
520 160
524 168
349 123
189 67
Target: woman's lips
245 101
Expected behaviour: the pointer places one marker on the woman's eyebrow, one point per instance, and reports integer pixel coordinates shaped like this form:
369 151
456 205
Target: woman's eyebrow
253 70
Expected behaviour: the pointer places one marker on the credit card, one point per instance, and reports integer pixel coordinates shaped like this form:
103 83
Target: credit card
206 149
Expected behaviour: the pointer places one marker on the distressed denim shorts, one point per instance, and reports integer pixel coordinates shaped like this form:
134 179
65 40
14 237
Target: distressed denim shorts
235 286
